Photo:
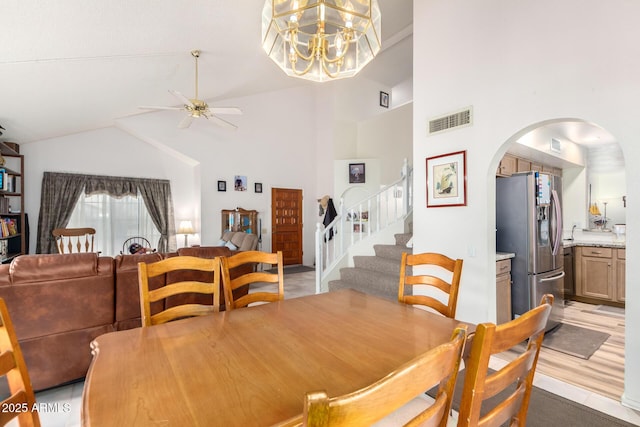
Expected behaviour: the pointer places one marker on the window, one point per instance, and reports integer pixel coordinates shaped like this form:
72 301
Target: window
59 199
115 220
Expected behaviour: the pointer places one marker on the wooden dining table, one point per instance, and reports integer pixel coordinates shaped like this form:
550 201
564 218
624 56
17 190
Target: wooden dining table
252 366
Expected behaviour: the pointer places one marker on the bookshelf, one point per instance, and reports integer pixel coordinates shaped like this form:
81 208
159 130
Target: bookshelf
12 217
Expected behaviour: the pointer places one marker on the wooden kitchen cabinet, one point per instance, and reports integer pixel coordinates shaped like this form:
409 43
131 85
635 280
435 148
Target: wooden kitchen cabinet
511 164
523 165
621 264
600 275
503 291
507 166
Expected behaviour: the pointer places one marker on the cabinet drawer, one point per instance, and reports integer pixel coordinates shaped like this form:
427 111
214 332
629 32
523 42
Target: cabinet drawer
622 254
503 266
596 252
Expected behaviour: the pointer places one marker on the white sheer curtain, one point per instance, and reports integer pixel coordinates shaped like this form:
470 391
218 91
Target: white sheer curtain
115 220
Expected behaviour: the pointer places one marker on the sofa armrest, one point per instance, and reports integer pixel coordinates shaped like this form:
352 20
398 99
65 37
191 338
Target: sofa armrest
53 293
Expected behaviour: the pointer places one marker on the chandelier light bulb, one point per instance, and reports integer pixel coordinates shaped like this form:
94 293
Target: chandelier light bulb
321 40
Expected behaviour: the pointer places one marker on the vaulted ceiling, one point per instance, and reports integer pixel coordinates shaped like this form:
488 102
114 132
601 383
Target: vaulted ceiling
68 66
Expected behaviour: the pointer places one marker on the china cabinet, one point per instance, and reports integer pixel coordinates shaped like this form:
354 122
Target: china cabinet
239 219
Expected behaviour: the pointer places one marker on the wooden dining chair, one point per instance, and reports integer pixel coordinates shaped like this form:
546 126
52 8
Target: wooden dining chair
252 278
74 240
176 266
136 245
438 366
21 402
443 262
480 384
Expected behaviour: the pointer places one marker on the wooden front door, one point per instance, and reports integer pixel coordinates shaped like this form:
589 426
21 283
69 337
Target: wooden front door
286 224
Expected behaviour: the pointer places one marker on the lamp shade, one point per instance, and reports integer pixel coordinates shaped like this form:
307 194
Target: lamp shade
185 228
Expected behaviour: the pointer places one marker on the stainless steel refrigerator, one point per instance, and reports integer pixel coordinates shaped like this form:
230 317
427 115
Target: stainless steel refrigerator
529 224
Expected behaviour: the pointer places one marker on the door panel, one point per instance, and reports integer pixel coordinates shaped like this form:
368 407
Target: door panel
286 224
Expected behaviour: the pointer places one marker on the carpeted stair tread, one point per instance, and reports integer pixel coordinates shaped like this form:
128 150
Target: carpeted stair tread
378 274
370 280
336 285
403 238
379 264
393 252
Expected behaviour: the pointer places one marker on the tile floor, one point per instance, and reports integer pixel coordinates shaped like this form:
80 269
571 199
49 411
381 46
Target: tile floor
65 401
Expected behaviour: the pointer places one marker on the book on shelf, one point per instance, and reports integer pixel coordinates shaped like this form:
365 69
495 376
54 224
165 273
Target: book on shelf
4 249
5 179
8 227
11 226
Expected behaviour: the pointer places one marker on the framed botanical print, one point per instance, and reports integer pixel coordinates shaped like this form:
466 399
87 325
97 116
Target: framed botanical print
447 180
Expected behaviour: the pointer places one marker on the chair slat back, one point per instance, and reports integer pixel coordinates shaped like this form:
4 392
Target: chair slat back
74 240
480 384
136 244
450 288
252 278
175 265
21 402
366 406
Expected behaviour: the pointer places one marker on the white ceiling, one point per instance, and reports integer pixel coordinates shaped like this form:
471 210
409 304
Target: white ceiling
68 66
72 65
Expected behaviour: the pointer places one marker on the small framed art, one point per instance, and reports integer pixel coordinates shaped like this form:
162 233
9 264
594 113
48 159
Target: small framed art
447 180
384 99
240 183
257 187
356 173
222 185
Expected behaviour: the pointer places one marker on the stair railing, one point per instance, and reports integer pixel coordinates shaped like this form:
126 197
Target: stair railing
361 220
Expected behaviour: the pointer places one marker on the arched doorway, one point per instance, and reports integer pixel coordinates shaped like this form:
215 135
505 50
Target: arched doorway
591 164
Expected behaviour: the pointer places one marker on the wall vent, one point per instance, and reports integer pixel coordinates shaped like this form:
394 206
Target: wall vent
451 121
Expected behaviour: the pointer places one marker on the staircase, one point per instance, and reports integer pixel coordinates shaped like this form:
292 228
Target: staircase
377 274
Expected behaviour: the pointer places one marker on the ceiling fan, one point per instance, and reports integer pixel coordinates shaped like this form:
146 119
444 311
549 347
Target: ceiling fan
198 108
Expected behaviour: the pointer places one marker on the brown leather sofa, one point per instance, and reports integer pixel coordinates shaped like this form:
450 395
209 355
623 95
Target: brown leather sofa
60 303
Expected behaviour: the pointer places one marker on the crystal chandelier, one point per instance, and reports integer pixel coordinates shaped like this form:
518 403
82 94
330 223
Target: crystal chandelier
321 40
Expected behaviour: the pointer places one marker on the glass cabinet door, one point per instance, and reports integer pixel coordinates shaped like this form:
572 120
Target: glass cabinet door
240 220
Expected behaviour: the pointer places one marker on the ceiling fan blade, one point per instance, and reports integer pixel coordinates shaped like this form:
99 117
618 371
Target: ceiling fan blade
186 122
221 122
226 110
148 107
181 97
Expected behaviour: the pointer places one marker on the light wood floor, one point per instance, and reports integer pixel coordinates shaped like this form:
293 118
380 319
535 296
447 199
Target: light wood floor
603 373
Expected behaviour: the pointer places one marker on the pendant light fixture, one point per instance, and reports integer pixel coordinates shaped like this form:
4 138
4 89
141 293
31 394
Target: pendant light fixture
321 40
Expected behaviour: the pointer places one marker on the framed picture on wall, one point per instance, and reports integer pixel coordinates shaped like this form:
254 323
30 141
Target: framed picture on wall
356 173
257 187
384 99
240 183
222 185
447 180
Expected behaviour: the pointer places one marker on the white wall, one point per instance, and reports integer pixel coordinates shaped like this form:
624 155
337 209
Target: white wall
354 193
518 64
388 136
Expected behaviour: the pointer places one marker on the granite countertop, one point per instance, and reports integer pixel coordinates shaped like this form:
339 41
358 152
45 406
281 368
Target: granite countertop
596 243
504 255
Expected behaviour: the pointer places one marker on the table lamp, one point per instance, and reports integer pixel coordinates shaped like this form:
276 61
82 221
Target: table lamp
185 228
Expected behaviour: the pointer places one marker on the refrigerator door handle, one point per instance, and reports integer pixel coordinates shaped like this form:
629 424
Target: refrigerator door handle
558 211
549 279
